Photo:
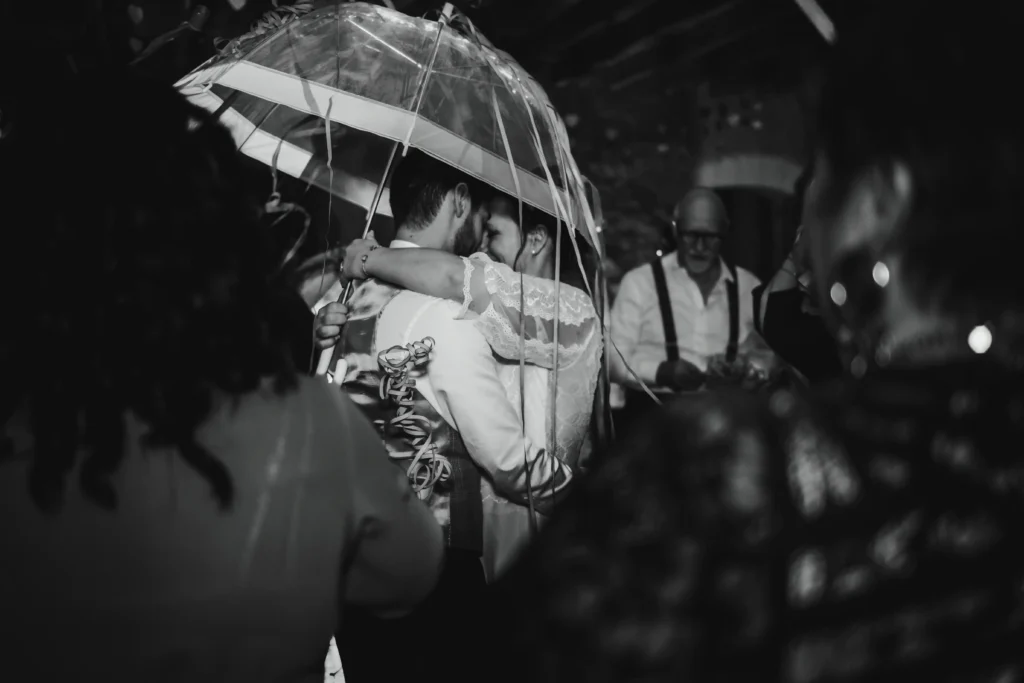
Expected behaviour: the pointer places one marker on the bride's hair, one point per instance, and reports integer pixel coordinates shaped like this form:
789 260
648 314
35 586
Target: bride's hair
569 272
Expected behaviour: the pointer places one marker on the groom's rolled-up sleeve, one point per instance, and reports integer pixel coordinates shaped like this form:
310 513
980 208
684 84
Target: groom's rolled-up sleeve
464 378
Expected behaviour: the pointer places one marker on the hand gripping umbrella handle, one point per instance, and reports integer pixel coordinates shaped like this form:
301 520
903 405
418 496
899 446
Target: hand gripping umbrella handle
334 355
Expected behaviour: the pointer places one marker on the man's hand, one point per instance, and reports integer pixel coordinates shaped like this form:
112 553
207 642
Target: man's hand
353 267
721 371
756 367
329 321
679 375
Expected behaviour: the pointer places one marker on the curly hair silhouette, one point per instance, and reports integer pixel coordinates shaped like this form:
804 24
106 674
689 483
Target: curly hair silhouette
164 305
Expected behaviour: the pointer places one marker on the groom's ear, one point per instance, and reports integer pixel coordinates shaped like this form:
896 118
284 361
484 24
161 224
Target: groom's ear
462 202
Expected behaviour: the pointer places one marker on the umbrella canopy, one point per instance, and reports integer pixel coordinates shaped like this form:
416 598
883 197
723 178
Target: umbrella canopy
349 79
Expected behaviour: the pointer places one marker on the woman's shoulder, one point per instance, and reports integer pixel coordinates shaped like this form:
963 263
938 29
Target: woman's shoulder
313 416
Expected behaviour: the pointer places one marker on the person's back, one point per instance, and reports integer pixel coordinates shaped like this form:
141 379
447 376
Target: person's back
170 587
183 506
388 377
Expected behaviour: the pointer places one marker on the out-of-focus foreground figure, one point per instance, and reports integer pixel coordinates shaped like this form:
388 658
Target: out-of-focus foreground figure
874 532
184 506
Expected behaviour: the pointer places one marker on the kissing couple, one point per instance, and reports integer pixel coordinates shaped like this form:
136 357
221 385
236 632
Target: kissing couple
429 347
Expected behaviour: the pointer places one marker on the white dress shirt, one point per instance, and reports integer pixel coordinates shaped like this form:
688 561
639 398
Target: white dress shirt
702 329
462 383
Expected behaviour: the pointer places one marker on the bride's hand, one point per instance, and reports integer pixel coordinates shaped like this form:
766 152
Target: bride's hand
352 266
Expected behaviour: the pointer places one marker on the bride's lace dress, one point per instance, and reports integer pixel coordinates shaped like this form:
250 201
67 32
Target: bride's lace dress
568 376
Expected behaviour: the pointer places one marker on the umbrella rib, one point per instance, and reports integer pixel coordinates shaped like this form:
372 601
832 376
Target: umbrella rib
260 124
387 45
270 36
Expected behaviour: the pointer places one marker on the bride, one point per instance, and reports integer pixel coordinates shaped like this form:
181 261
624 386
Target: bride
488 286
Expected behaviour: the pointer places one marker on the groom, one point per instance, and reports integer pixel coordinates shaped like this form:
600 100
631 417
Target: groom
457 424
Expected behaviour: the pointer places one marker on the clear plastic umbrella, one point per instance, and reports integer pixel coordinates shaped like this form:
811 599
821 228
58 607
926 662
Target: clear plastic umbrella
438 86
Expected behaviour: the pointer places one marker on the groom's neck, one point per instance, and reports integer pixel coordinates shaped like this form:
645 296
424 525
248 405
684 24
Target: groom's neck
428 237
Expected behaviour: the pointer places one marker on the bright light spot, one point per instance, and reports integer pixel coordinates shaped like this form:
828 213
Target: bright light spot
658 252
598 228
757 125
980 339
880 274
838 294
734 120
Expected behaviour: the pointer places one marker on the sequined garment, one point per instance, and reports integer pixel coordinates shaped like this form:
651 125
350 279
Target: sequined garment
876 536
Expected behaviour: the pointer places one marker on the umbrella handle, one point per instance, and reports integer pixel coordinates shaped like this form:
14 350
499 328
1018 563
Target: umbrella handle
324 364
336 352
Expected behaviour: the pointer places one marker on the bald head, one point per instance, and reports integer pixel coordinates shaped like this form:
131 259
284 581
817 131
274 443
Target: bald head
701 208
700 222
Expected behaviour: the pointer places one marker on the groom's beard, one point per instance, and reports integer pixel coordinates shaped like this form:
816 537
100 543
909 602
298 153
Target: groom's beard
465 242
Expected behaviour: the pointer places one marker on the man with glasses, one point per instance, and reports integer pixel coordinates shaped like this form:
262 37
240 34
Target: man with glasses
674 315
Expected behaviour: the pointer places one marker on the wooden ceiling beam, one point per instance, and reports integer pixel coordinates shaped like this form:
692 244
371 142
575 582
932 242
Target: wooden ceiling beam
642 32
761 61
677 28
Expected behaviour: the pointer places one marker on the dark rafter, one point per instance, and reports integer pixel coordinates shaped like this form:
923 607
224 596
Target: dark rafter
665 21
565 39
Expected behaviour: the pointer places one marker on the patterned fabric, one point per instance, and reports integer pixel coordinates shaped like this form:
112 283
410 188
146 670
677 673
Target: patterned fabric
579 344
507 524
404 416
875 533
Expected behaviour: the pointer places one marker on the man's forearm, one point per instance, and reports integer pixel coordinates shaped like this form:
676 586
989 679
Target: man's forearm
542 495
535 474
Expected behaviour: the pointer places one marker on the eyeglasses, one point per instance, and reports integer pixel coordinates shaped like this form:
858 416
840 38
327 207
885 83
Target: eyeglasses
693 238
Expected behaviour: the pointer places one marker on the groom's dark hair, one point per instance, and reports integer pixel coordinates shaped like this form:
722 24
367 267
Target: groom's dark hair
419 185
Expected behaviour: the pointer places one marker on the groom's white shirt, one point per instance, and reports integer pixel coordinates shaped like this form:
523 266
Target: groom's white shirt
462 384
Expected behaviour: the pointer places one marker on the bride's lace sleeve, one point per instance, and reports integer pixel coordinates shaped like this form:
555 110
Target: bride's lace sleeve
493 290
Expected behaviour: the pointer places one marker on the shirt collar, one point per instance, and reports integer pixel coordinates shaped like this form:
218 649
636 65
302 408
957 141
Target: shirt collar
672 259
402 244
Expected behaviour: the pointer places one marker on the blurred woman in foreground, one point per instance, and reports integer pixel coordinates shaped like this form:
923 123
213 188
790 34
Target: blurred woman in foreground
186 507
874 533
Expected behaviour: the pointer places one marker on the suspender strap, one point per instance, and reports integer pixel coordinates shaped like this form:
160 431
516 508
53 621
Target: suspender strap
734 318
665 304
760 297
